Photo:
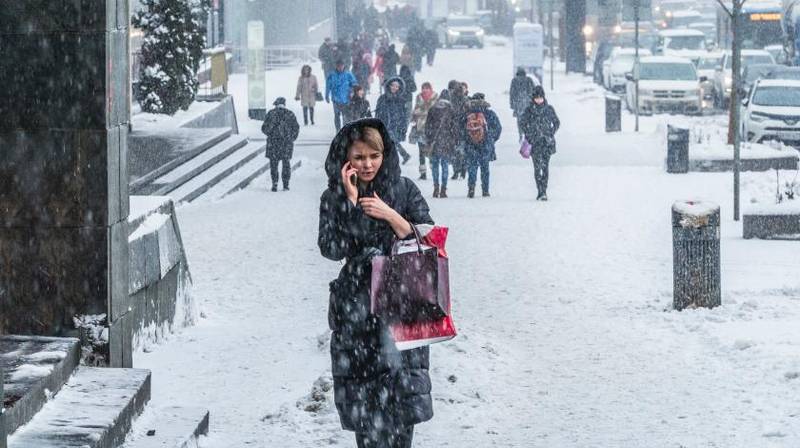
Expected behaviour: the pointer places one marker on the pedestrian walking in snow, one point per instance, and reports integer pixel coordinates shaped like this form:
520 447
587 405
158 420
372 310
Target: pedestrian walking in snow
307 93
431 44
540 124
281 128
390 61
359 106
424 102
407 75
482 129
327 56
458 99
339 85
391 110
406 56
441 134
520 95
380 393
343 53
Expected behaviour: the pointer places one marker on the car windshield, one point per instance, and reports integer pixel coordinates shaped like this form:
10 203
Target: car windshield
687 43
462 21
779 96
748 59
753 73
785 74
708 63
667 72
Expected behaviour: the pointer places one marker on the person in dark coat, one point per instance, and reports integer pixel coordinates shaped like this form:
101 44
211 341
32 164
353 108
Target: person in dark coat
380 393
442 134
520 95
281 128
431 44
359 106
391 110
327 55
407 75
390 61
479 147
343 53
540 124
458 99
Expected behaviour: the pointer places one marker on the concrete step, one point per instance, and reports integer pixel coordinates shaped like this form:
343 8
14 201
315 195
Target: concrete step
95 409
34 368
156 154
169 427
216 174
171 181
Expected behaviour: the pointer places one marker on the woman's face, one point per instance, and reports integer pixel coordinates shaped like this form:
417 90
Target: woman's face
538 100
394 87
360 93
427 90
366 160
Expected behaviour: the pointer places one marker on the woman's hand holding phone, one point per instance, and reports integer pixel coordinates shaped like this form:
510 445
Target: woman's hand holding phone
350 182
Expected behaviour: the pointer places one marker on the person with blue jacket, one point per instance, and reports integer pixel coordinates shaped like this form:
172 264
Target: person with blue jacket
339 85
482 129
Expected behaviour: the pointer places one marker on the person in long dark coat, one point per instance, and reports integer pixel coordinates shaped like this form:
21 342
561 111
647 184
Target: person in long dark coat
391 110
390 61
410 87
458 98
441 132
359 106
520 95
379 392
281 128
540 124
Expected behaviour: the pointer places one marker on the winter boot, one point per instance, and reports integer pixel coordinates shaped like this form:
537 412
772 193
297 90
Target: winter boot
435 191
423 176
544 197
486 193
286 187
406 158
471 192
274 187
443 193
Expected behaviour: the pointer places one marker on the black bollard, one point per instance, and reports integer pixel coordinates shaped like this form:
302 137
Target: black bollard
613 113
677 149
696 255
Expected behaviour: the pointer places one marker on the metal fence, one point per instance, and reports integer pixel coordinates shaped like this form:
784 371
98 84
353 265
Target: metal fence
286 56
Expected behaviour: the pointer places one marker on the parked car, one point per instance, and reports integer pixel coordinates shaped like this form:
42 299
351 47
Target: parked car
754 72
772 111
666 84
723 77
706 67
777 52
683 18
784 72
461 30
707 28
620 63
686 43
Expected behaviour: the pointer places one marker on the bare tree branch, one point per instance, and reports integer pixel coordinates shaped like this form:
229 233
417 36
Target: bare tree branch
725 8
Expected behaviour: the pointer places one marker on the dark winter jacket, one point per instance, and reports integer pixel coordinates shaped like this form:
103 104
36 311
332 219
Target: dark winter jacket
281 128
339 85
327 56
391 110
493 131
358 108
390 61
520 94
375 385
539 124
441 129
410 85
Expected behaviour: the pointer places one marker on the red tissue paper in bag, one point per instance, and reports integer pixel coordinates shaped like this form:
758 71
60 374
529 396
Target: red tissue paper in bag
408 336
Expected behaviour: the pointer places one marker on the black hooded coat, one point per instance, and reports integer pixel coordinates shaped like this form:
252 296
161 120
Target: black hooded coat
540 123
282 129
376 387
391 110
520 93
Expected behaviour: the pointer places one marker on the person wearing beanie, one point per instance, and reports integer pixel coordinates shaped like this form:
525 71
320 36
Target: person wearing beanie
282 129
520 95
539 125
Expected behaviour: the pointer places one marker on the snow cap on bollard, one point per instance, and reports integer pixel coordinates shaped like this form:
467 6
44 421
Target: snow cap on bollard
695 213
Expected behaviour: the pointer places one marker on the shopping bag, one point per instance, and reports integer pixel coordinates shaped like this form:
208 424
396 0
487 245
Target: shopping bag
525 149
415 334
411 284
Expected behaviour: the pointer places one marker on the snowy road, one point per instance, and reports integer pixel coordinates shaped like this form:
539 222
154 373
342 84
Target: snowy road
567 339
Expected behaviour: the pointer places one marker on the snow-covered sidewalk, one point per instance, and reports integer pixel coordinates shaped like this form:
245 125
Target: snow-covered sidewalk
566 338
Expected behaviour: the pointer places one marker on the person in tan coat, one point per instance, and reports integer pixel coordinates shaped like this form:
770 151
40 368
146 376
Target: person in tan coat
307 93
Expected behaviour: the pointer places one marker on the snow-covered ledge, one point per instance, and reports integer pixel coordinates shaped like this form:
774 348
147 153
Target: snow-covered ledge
718 156
160 282
773 221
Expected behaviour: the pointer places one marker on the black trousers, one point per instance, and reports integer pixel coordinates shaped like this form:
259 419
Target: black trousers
286 172
386 440
306 112
541 170
339 111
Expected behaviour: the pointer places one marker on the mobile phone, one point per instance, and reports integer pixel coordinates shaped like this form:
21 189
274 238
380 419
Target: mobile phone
353 179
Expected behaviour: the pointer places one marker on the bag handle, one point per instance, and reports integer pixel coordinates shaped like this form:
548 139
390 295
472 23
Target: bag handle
417 237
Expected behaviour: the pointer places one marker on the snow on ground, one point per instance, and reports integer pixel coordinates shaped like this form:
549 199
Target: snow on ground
567 337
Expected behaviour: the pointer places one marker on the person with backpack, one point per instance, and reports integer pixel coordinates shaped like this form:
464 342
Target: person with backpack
520 95
481 130
359 106
307 93
441 134
540 124
425 101
339 85
391 110
282 129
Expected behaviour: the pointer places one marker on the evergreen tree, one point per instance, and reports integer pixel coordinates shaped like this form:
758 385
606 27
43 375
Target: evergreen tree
172 50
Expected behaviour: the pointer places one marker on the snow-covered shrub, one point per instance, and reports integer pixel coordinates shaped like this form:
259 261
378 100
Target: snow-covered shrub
172 50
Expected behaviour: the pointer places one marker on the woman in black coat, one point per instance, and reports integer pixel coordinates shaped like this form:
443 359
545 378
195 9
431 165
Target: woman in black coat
391 110
380 392
539 125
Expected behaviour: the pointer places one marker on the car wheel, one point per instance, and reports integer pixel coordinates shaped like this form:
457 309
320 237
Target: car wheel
480 46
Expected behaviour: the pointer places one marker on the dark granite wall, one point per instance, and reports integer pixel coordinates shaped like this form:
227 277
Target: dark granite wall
63 173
